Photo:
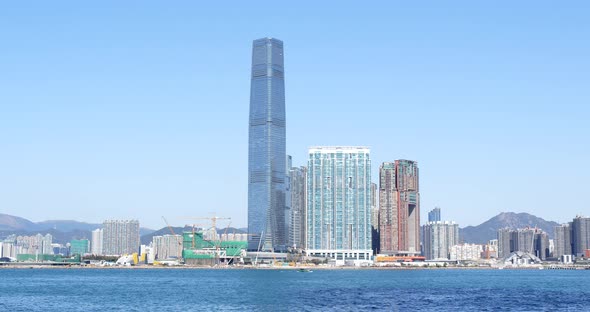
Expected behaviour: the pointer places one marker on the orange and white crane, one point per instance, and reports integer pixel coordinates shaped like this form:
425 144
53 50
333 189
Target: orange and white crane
171 230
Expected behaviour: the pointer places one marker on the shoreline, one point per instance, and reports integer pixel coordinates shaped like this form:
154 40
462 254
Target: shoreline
280 268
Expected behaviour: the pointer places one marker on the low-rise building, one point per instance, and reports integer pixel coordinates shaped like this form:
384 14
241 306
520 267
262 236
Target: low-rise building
79 247
464 252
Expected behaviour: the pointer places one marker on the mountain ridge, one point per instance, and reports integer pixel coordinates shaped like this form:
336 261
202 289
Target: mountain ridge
62 230
482 233
65 230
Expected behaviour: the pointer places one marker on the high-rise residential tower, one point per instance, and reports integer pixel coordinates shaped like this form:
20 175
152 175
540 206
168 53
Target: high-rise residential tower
439 237
266 148
298 181
96 242
339 203
580 236
120 237
399 208
563 240
167 246
374 218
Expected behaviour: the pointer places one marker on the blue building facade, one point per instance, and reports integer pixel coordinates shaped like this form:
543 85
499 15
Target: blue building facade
434 215
338 218
267 148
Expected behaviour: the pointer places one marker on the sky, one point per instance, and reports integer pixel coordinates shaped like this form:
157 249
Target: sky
139 109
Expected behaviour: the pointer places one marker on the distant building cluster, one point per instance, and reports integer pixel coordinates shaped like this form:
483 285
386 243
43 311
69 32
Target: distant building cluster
530 240
35 245
573 238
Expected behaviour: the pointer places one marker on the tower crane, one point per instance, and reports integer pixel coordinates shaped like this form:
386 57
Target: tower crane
171 229
212 219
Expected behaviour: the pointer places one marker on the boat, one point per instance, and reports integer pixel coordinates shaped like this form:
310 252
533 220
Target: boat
305 270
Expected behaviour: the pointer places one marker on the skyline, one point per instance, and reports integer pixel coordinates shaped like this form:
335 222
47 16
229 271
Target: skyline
119 120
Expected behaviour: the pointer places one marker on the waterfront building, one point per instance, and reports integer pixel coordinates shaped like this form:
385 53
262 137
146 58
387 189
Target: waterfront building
267 148
465 252
79 247
434 215
298 181
439 237
580 236
147 254
399 208
563 240
167 246
338 214
96 242
120 237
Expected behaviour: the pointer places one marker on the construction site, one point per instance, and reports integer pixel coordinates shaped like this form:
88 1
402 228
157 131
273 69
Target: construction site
204 246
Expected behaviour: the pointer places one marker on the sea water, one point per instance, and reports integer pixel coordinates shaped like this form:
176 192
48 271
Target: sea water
289 290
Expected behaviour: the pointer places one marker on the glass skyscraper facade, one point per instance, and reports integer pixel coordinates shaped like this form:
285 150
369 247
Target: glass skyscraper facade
339 202
434 215
267 148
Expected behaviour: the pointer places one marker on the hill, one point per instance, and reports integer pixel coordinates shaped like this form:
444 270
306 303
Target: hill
488 230
67 225
62 230
12 223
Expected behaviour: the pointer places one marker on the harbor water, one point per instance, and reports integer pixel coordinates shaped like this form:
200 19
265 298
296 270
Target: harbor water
78 289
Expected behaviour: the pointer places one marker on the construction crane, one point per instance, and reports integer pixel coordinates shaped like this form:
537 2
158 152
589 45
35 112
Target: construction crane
171 230
168 225
212 219
193 232
224 234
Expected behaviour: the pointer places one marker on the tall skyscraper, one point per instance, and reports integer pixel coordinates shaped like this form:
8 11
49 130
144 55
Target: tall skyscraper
267 148
434 215
399 208
120 237
339 203
96 242
439 237
298 181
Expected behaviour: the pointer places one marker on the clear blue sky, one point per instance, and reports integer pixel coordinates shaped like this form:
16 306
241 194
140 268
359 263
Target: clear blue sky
140 109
